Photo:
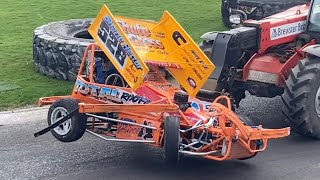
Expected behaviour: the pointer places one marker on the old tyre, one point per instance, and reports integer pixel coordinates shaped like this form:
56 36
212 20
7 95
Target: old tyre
72 129
171 141
58 47
301 97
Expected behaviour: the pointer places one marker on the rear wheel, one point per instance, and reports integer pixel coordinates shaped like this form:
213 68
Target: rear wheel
225 14
171 141
301 97
72 129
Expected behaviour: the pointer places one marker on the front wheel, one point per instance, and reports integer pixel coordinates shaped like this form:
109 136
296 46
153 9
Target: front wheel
248 122
171 141
72 129
301 97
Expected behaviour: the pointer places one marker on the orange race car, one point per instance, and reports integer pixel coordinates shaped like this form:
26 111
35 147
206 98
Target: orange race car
134 102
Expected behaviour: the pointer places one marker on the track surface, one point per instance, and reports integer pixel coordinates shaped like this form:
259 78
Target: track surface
24 157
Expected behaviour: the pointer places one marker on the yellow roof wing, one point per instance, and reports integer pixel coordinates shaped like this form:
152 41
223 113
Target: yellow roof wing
131 43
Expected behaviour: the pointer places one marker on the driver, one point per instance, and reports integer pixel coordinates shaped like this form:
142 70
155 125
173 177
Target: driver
99 70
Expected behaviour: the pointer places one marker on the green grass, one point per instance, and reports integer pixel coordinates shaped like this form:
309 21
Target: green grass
18 19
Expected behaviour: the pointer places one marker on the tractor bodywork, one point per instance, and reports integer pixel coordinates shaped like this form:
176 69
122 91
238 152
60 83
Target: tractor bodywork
262 55
253 9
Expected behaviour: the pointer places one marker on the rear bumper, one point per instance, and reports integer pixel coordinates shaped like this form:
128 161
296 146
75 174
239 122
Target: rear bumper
49 100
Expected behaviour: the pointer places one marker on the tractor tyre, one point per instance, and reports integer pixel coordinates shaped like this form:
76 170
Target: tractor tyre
301 97
225 14
171 141
72 129
58 47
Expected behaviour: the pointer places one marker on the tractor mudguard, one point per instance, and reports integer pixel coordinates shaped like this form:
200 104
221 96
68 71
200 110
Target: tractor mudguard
313 49
211 36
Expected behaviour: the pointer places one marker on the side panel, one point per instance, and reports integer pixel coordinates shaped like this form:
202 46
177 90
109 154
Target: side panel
125 131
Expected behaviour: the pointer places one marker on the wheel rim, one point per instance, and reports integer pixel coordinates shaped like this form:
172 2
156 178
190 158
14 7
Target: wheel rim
56 115
317 102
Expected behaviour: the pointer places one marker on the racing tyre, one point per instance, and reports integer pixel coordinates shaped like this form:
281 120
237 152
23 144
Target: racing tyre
247 121
58 47
171 141
301 97
72 129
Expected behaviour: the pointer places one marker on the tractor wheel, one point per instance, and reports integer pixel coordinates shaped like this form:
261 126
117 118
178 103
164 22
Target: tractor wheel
58 47
225 14
247 121
301 97
171 141
72 129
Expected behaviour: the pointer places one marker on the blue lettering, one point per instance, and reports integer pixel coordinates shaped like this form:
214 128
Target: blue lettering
81 87
104 92
94 89
132 57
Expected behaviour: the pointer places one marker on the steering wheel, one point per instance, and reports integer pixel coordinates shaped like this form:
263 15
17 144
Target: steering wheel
115 80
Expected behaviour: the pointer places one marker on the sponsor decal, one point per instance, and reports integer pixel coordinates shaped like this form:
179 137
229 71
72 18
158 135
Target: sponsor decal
112 40
192 82
126 128
200 106
176 36
136 29
146 133
287 30
140 36
164 64
107 93
199 60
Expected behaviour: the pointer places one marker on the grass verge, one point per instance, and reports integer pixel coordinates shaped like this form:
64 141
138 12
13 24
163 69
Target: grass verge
18 19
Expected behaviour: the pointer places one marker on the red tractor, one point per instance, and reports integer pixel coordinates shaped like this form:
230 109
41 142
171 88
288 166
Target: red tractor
278 55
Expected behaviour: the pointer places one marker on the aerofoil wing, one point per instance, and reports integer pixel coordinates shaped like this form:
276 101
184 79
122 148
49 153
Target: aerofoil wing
131 44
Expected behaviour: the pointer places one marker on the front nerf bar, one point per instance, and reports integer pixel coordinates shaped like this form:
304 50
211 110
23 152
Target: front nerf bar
237 140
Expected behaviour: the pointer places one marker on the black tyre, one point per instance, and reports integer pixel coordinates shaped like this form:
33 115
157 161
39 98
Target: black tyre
225 14
301 97
247 121
58 47
171 141
72 129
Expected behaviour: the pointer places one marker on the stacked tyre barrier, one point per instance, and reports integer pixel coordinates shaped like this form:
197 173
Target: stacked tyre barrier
58 47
